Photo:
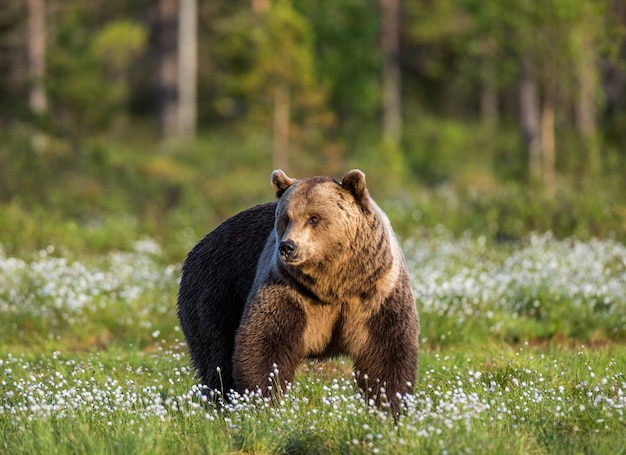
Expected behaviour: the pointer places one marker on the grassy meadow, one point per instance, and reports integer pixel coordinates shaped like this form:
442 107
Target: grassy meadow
493 134
522 351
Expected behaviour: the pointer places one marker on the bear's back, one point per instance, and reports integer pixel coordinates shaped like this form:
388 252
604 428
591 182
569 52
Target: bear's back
225 260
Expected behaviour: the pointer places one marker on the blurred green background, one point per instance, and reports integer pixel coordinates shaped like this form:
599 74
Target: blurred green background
121 120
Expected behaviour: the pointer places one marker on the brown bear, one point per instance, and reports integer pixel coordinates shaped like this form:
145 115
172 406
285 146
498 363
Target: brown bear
318 273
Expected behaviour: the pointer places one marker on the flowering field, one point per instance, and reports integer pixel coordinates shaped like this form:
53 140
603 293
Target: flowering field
522 351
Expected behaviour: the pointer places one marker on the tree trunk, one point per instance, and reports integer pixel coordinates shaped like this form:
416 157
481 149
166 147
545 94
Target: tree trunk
548 108
281 125
391 84
167 73
38 99
547 141
489 94
187 68
282 107
529 117
260 6
488 100
585 102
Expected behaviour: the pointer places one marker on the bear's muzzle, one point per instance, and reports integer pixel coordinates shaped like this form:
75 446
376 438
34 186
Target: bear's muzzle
287 250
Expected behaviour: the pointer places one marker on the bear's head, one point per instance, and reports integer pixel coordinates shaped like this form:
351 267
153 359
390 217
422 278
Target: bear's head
319 219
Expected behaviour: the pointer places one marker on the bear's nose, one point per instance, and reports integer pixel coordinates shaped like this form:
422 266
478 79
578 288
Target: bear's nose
287 248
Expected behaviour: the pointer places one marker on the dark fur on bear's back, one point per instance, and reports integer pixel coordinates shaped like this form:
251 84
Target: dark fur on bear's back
216 279
318 273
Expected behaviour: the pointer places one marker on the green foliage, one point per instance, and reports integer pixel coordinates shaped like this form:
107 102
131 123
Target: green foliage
117 193
118 43
88 81
509 211
100 67
284 48
272 46
347 60
274 50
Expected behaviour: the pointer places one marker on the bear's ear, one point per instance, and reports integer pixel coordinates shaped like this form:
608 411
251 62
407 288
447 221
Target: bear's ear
354 181
280 182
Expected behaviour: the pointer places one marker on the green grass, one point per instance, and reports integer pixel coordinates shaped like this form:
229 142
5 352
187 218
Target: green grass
497 399
522 352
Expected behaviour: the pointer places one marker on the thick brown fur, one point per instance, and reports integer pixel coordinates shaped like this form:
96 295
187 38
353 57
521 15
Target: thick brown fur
317 274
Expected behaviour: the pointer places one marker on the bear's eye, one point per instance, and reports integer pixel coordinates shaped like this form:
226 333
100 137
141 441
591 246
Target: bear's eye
314 220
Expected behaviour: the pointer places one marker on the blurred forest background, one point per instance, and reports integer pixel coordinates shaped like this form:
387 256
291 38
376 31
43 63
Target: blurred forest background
121 119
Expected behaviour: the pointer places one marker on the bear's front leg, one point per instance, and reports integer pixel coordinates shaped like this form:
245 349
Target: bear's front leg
269 338
389 358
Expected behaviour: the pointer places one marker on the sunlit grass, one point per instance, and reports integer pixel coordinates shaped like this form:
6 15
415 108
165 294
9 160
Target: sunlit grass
121 297
516 400
539 288
522 352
